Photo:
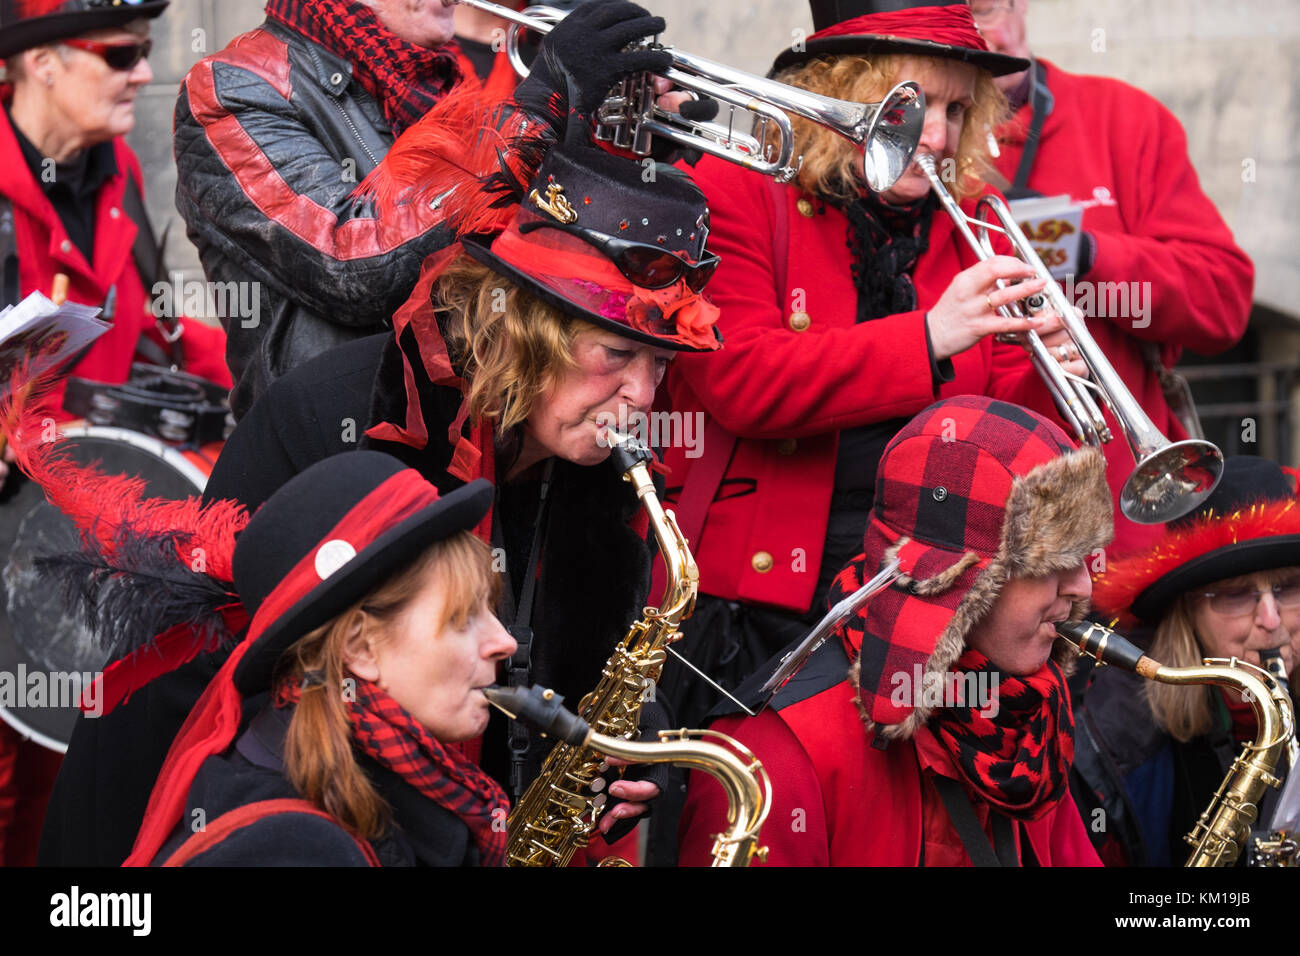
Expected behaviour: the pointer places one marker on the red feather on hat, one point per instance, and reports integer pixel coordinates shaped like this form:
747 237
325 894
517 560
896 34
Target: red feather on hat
1124 580
37 8
474 159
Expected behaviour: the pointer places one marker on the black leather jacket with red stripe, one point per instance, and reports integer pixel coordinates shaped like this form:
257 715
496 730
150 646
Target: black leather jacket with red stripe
272 135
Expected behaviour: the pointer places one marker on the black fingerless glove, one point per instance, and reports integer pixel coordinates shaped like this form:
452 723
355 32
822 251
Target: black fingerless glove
583 57
654 718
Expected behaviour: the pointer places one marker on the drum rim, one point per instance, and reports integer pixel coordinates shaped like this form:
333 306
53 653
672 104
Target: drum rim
31 733
168 453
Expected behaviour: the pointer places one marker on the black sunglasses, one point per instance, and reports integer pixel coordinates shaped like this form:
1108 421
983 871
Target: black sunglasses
644 265
120 56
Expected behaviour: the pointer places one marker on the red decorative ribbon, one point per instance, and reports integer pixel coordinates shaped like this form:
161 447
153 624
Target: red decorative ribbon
952 25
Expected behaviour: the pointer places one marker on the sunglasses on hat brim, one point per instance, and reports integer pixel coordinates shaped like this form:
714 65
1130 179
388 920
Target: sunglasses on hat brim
642 264
119 56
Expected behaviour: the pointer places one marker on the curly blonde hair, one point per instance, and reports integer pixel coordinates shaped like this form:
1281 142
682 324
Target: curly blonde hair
510 346
831 163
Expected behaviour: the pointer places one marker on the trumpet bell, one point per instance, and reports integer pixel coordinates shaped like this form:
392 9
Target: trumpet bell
892 138
1171 482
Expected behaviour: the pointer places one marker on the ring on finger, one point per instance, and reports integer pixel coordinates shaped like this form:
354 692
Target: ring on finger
1064 352
989 300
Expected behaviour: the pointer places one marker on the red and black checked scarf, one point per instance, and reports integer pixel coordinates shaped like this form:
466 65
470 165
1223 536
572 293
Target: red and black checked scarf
383 730
1018 760
406 79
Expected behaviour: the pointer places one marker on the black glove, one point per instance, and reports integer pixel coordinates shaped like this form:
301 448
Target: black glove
584 57
654 718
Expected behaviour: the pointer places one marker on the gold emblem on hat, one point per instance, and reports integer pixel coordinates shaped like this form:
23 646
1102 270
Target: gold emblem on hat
555 203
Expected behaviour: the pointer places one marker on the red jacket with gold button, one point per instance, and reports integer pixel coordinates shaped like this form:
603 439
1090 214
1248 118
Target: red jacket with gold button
795 369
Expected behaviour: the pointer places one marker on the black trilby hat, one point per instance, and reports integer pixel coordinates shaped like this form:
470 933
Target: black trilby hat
28 23
584 208
327 538
942 28
1250 523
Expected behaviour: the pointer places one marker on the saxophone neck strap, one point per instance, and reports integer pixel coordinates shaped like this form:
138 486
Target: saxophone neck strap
1002 851
518 670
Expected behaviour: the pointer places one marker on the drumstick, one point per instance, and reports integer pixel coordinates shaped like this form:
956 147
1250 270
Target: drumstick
59 294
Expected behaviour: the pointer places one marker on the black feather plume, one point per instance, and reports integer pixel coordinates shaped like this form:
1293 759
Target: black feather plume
143 593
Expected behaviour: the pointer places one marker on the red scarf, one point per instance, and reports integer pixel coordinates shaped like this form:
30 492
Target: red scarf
396 740
406 79
1018 759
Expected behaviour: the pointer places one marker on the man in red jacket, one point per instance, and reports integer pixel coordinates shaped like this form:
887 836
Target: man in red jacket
1151 237
934 727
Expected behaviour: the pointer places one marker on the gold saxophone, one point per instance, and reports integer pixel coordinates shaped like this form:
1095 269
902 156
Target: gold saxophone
1225 826
558 812
741 774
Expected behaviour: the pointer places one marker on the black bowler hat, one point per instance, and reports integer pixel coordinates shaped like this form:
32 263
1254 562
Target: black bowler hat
327 538
28 23
942 28
1250 523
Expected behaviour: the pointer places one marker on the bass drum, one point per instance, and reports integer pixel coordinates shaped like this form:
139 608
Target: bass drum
46 653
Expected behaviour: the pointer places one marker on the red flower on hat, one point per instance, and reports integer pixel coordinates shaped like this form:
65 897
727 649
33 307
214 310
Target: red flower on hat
675 312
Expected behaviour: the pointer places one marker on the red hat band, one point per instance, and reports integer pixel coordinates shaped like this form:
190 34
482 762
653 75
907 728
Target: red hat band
951 25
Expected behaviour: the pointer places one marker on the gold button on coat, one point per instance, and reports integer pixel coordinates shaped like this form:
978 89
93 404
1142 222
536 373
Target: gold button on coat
786 446
805 208
762 562
799 321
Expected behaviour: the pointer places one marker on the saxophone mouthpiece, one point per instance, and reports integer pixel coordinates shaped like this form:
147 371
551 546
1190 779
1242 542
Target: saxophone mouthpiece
627 450
1100 642
542 709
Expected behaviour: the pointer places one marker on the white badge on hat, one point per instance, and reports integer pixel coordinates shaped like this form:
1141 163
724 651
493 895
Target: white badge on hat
332 555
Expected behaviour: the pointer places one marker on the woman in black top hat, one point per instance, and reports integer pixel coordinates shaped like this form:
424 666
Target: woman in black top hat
1222 582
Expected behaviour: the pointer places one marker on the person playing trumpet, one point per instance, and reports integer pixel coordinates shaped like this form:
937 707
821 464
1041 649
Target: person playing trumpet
860 311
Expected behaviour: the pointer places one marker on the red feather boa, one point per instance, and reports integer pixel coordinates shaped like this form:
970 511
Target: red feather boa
1124 580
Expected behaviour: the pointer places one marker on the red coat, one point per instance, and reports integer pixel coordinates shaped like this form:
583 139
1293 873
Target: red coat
1112 146
44 249
787 393
837 801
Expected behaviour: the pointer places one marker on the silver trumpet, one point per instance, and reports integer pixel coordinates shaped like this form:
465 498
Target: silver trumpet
1171 478
887 132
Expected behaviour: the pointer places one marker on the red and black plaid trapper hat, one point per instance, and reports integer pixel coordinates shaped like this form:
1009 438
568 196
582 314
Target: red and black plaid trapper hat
942 28
970 493
28 23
